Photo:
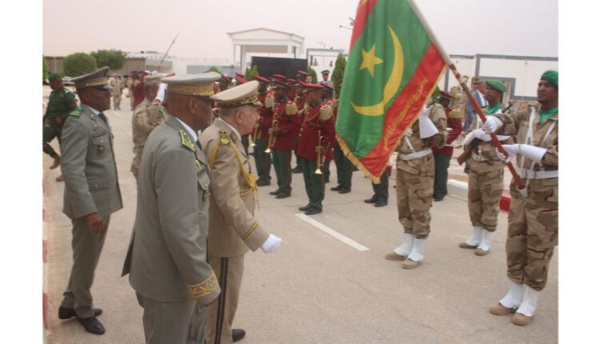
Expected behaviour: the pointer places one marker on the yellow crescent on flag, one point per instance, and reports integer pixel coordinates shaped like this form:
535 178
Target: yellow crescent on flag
392 85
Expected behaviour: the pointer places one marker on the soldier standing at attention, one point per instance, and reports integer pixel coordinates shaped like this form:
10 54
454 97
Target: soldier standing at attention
317 135
443 155
533 217
283 130
61 103
233 230
265 113
414 180
343 166
300 101
147 116
91 194
486 176
116 84
167 255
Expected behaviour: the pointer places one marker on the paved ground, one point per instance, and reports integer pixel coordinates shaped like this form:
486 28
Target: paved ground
317 288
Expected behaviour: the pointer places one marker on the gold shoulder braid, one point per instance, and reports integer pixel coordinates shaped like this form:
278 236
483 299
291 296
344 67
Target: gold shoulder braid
186 142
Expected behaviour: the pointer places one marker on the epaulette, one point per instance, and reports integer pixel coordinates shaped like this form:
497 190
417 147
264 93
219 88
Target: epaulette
291 108
186 141
76 113
438 105
325 112
224 139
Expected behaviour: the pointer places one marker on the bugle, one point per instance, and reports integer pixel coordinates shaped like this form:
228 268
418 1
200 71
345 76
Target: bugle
271 139
318 148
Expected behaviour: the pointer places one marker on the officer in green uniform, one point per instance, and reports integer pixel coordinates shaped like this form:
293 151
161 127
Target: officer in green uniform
60 103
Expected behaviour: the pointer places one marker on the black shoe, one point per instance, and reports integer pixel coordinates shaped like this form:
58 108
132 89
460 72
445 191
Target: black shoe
297 169
344 190
438 198
237 334
313 211
381 203
371 200
263 182
67 313
92 325
305 208
276 192
283 194
336 188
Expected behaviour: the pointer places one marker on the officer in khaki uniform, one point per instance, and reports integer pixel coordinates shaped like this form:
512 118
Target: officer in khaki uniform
147 116
533 217
414 183
91 193
486 176
233 230
167 256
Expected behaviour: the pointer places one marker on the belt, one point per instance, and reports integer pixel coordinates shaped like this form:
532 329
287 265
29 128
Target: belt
415 155
478 157
529 174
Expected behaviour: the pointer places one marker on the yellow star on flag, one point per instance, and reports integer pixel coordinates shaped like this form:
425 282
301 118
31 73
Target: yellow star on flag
370 60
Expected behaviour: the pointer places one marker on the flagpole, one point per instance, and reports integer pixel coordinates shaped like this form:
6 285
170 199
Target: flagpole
462 83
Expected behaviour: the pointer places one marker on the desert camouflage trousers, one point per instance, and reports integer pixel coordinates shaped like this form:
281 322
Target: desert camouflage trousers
414 195
486 182
532 232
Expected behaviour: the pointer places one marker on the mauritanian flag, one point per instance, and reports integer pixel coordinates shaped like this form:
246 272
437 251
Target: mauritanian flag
393 67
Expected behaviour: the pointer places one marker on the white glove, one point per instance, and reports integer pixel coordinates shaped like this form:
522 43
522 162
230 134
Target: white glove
481 134
271 244
492 123
426 126
512 150
531 152
470 137
408 132
160 95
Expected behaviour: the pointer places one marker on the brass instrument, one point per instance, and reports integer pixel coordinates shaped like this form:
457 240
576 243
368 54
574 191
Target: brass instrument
271 139
253 143
319 162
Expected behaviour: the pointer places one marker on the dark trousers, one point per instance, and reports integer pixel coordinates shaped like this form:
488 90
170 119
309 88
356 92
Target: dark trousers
282 160
440 182
381 189
49 133
344 168
262 159
313 183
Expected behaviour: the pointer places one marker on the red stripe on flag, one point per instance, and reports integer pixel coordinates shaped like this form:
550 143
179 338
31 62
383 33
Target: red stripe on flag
362 13
405 108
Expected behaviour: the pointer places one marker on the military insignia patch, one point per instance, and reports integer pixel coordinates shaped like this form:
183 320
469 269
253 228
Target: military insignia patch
76 113
186 141
224 139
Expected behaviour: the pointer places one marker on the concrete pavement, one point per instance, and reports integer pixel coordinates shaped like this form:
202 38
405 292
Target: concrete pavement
317 288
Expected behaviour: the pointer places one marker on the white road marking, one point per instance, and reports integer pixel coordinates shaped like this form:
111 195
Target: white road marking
333 233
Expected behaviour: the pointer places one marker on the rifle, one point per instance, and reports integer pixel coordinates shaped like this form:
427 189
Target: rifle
166 52
467 152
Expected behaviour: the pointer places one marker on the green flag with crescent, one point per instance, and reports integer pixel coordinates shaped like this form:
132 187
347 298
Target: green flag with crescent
393 67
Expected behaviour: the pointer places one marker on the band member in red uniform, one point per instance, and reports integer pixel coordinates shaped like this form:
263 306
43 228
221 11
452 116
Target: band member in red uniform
261 132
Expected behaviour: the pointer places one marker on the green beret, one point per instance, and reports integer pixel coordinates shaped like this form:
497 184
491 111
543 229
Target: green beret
54 76
497 85
551 76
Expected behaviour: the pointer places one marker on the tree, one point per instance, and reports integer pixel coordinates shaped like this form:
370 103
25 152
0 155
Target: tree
214 69
78 64
251 73
114 59
338 73
44 68
313 74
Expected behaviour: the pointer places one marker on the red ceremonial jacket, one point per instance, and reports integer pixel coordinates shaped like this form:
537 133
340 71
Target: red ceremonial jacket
309 133
266 118
288 124
456 124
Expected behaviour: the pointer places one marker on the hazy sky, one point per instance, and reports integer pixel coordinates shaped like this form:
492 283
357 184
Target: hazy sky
509 27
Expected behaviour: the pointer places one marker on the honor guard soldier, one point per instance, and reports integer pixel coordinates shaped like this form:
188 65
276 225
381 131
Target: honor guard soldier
233 230
91 193
261 132
317 135
147 116
486 176
533 218
443 155
167 255
300 101
60 104
343 165
224 82
117 84
327 98
302 75
281 142
414 183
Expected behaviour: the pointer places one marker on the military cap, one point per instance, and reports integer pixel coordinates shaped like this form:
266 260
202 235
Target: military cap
192 84
497 85
311 87
54 76
93 79
551 76
280 84
328 87
278 76
291 81
262 80
153 80
240 95
301 72
445 95
225 78
240 79
240 74
326 71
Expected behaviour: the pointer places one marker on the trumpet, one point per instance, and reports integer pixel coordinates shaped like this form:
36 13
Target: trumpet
253 143
271 139
319 162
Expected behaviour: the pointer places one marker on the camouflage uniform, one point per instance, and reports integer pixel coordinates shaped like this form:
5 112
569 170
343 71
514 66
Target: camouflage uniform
147 116
533 219
414 190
